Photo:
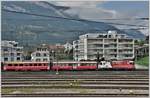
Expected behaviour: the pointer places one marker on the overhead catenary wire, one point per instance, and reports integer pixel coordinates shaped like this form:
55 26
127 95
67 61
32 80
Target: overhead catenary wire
83 20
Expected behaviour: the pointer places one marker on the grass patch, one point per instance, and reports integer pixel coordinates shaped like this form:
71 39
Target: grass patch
143 61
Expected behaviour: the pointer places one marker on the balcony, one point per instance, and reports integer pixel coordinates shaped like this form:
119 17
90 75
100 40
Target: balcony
125 52
95 48
110 47
95 42
125 47
95 52
123 57
111 52
110 57
125 42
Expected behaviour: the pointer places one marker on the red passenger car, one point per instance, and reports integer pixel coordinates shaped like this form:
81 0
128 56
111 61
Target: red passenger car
26 66
74 65
86 66
62 66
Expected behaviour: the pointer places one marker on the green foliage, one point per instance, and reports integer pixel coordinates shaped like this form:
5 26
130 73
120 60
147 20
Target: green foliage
139 42
143 61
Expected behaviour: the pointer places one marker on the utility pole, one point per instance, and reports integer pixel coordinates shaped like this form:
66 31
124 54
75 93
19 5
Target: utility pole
57 59
97 59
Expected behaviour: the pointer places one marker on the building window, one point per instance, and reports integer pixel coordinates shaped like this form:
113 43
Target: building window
38 49
45 54
44 59
18 50
109 36
5 59
12 54
18 58
12 59
18 54
38 60
5 49
38 54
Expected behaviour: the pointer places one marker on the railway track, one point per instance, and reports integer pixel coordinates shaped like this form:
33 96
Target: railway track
99 72
74 95
83 84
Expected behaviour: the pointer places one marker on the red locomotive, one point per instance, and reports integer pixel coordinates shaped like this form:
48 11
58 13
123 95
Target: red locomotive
123 64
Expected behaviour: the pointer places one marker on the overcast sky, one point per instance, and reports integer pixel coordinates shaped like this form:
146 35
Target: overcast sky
96 10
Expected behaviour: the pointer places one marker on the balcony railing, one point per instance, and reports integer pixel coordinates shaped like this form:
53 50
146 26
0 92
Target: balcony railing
95 52
110 47
95 43
125 42
125 52
125 47
95 48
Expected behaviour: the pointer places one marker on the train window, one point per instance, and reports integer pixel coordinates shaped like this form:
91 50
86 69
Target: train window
15 64
39 64
35 64
69 64
9 64
30 64
44 64
21 64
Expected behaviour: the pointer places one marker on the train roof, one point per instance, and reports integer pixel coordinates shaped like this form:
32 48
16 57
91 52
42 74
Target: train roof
24 62
71 62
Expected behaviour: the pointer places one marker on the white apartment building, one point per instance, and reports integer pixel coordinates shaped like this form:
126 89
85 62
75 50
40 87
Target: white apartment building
10 51
41 54
110 46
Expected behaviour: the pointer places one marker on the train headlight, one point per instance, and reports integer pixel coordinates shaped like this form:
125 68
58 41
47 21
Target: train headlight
48 68
4 68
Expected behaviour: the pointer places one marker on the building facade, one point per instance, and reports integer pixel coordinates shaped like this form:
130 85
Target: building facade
110 46
11 52
41 54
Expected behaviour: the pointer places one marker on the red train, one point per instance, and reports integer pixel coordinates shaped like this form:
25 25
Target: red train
72 65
